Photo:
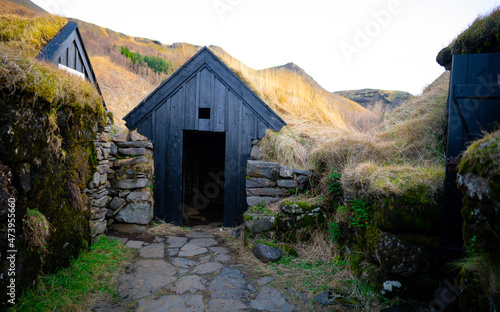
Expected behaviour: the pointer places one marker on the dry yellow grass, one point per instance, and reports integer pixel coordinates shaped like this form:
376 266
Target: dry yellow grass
8 8
121 88
292 97
29 35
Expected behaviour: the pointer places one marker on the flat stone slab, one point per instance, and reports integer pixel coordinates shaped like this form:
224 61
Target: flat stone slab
222 258
134 244
186 303
229 284
225 305
191 283
136 286
264 280
183 263
153 251
205 258
176 242
198 234
154 267
190 250
204 242
158 240
219 250
172 252
207 268
269 299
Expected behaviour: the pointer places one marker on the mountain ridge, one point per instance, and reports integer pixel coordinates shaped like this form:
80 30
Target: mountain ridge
369 97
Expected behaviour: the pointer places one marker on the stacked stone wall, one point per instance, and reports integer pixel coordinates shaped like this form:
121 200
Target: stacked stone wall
120 192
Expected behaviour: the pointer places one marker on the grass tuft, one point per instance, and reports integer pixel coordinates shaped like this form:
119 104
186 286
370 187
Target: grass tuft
92 275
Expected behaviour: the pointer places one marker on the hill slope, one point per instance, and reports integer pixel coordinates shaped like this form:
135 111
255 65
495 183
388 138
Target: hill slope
29 5
286 89
370 97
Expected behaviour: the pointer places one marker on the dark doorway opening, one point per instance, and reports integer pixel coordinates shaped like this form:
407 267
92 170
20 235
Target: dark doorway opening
203 178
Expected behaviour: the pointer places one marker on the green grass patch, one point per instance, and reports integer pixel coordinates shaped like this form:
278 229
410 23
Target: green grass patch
92 275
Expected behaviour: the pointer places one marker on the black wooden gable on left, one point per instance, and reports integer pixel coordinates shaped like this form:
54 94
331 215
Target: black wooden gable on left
68 50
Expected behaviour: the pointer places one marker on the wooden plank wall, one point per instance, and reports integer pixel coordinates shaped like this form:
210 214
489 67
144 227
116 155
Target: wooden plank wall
179 112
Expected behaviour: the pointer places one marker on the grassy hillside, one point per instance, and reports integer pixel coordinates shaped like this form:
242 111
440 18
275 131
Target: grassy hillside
290 93
28 5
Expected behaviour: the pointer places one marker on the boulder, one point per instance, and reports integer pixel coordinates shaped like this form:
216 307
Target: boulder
403 255
257 223
139 213
266 253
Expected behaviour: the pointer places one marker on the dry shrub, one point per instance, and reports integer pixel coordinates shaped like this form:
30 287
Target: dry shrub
320 248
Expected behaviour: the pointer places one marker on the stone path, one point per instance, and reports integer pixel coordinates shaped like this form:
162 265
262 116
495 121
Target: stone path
192 273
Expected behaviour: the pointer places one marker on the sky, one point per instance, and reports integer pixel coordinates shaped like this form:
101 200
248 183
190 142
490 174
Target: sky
343 45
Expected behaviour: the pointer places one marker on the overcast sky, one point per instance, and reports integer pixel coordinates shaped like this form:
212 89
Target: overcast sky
343 45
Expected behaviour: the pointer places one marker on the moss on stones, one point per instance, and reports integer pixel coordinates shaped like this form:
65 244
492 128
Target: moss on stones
411 212
479 181
49 121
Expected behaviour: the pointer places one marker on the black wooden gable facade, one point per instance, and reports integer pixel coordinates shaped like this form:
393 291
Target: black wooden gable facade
202 121
67 49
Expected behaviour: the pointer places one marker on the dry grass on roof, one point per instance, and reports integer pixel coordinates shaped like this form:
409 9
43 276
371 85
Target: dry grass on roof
28 36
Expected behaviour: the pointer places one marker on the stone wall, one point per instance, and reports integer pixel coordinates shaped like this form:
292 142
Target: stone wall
121 189
268 182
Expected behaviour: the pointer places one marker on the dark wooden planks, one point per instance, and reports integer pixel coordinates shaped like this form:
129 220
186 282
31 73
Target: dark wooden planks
161 159
190 105
232 191
205 58
219 105
253 102
174 165
247 132
146 128
174 107
165 90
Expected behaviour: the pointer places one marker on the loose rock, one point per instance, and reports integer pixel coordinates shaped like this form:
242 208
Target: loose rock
266 253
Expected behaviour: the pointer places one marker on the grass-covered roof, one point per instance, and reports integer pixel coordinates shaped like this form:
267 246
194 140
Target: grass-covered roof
483 36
